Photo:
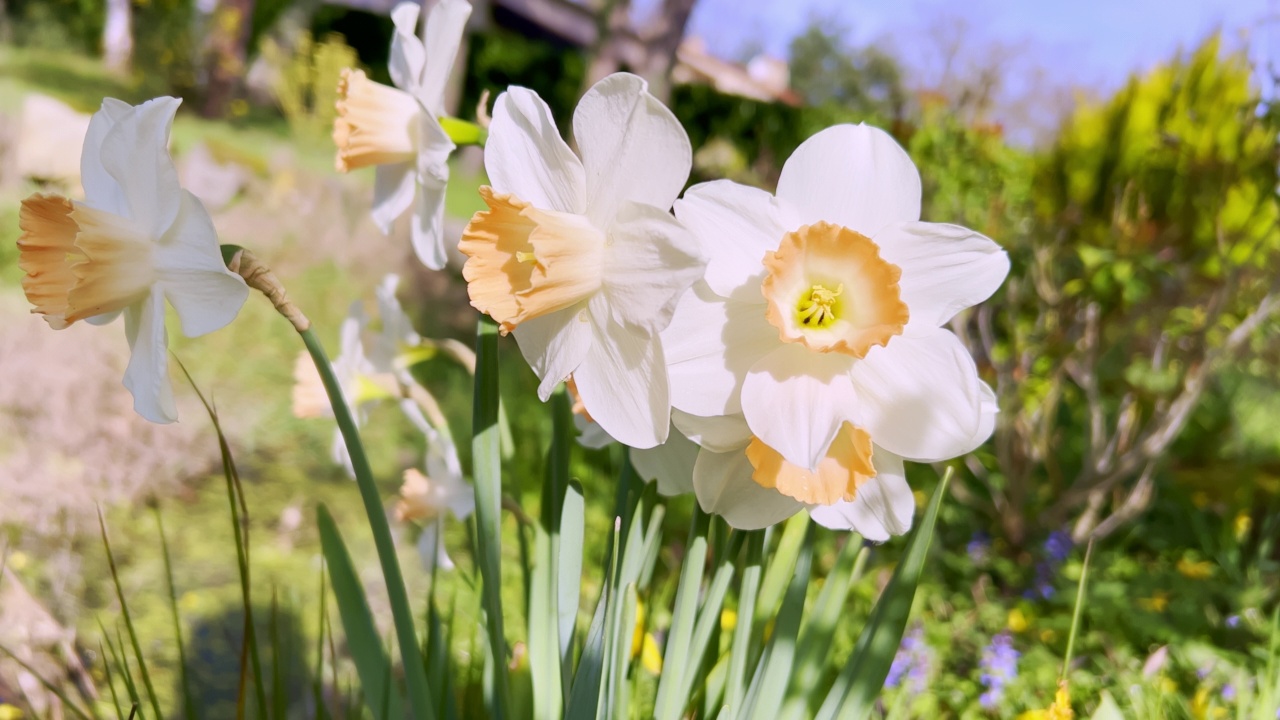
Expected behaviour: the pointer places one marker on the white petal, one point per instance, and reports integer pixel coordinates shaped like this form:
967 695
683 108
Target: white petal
147 375
407 54
720 433
101 191
852 175
990 408
735 226
427 230
623 382
795 400
650 260
136 153
632 147
103 319
393 187
945 268
526 157
554 345
710 344
206 295
724 486
670 464
882 507
920 397
340 455
431 549
590 434
446 22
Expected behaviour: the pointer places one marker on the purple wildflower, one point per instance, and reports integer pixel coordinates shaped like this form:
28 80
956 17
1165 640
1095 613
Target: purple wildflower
1058 546
1233 621
999 667
979 547
1228 692
912 662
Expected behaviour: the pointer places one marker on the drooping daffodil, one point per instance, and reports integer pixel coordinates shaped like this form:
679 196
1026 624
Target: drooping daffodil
820 327
398 130
580 258
136 240
426 498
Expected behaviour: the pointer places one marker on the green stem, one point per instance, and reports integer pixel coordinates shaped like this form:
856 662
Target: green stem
1075 615
415 673
486 459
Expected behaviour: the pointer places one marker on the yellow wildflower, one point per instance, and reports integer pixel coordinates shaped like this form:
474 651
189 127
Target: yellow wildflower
1018 621
1201 570
1061 707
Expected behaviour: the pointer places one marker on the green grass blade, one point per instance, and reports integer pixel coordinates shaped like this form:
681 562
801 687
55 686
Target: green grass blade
709 616
128 619
111 679
317 682
372 664
815 636
117 654
240 529
782 563
415 674
572 543
585 693
486 458
188 699
676 659
771 686
740 650
853 695
1075 614
66 701
545 655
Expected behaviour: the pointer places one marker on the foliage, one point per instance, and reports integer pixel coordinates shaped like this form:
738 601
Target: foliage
307 82
846 81
500 58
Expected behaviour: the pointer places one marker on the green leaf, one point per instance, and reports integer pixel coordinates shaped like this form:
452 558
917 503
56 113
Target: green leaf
486 458
770 686
740 650
128 619
676 660
188 698
781 563
1108 709
853 695
415 674
372 664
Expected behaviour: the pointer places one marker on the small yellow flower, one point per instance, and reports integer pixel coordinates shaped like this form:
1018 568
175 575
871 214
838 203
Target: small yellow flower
650 655
1061 707
1201 570
17 560
1242 524
1047 636
1018 621
1166 685
728 620
1157 603
9 712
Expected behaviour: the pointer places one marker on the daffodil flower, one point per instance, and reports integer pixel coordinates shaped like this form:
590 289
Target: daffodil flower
820 325
397 129
425 498
136 240
580 258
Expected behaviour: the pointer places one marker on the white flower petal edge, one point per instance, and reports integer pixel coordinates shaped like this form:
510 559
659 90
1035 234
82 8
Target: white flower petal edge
723 484
669 464
147 375
735 225
652 259
795 401
393 188
446 22
945 268
205 294
526 157
857 176
633 148
883 506
623 382
920 397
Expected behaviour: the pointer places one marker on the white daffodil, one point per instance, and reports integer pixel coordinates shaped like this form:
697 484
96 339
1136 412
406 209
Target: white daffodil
580 257
136 240
398 128
820 324
425 498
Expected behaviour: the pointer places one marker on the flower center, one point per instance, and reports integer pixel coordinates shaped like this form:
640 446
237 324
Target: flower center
376 124
846 466
818 310
80 262
827 287
524 263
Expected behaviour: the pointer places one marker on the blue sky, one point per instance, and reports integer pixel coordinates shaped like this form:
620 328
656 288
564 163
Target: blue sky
1090 42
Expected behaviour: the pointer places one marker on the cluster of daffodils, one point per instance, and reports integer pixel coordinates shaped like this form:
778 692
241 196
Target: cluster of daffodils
768 352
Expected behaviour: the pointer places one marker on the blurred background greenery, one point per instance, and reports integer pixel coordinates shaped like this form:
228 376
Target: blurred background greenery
1133 349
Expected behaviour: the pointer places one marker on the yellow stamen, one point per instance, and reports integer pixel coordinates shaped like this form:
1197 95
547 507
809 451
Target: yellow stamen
828 288
837 477
818 309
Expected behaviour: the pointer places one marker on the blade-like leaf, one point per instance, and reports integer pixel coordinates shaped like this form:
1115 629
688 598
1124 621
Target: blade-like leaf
853 695
676 659
372 664
771 686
